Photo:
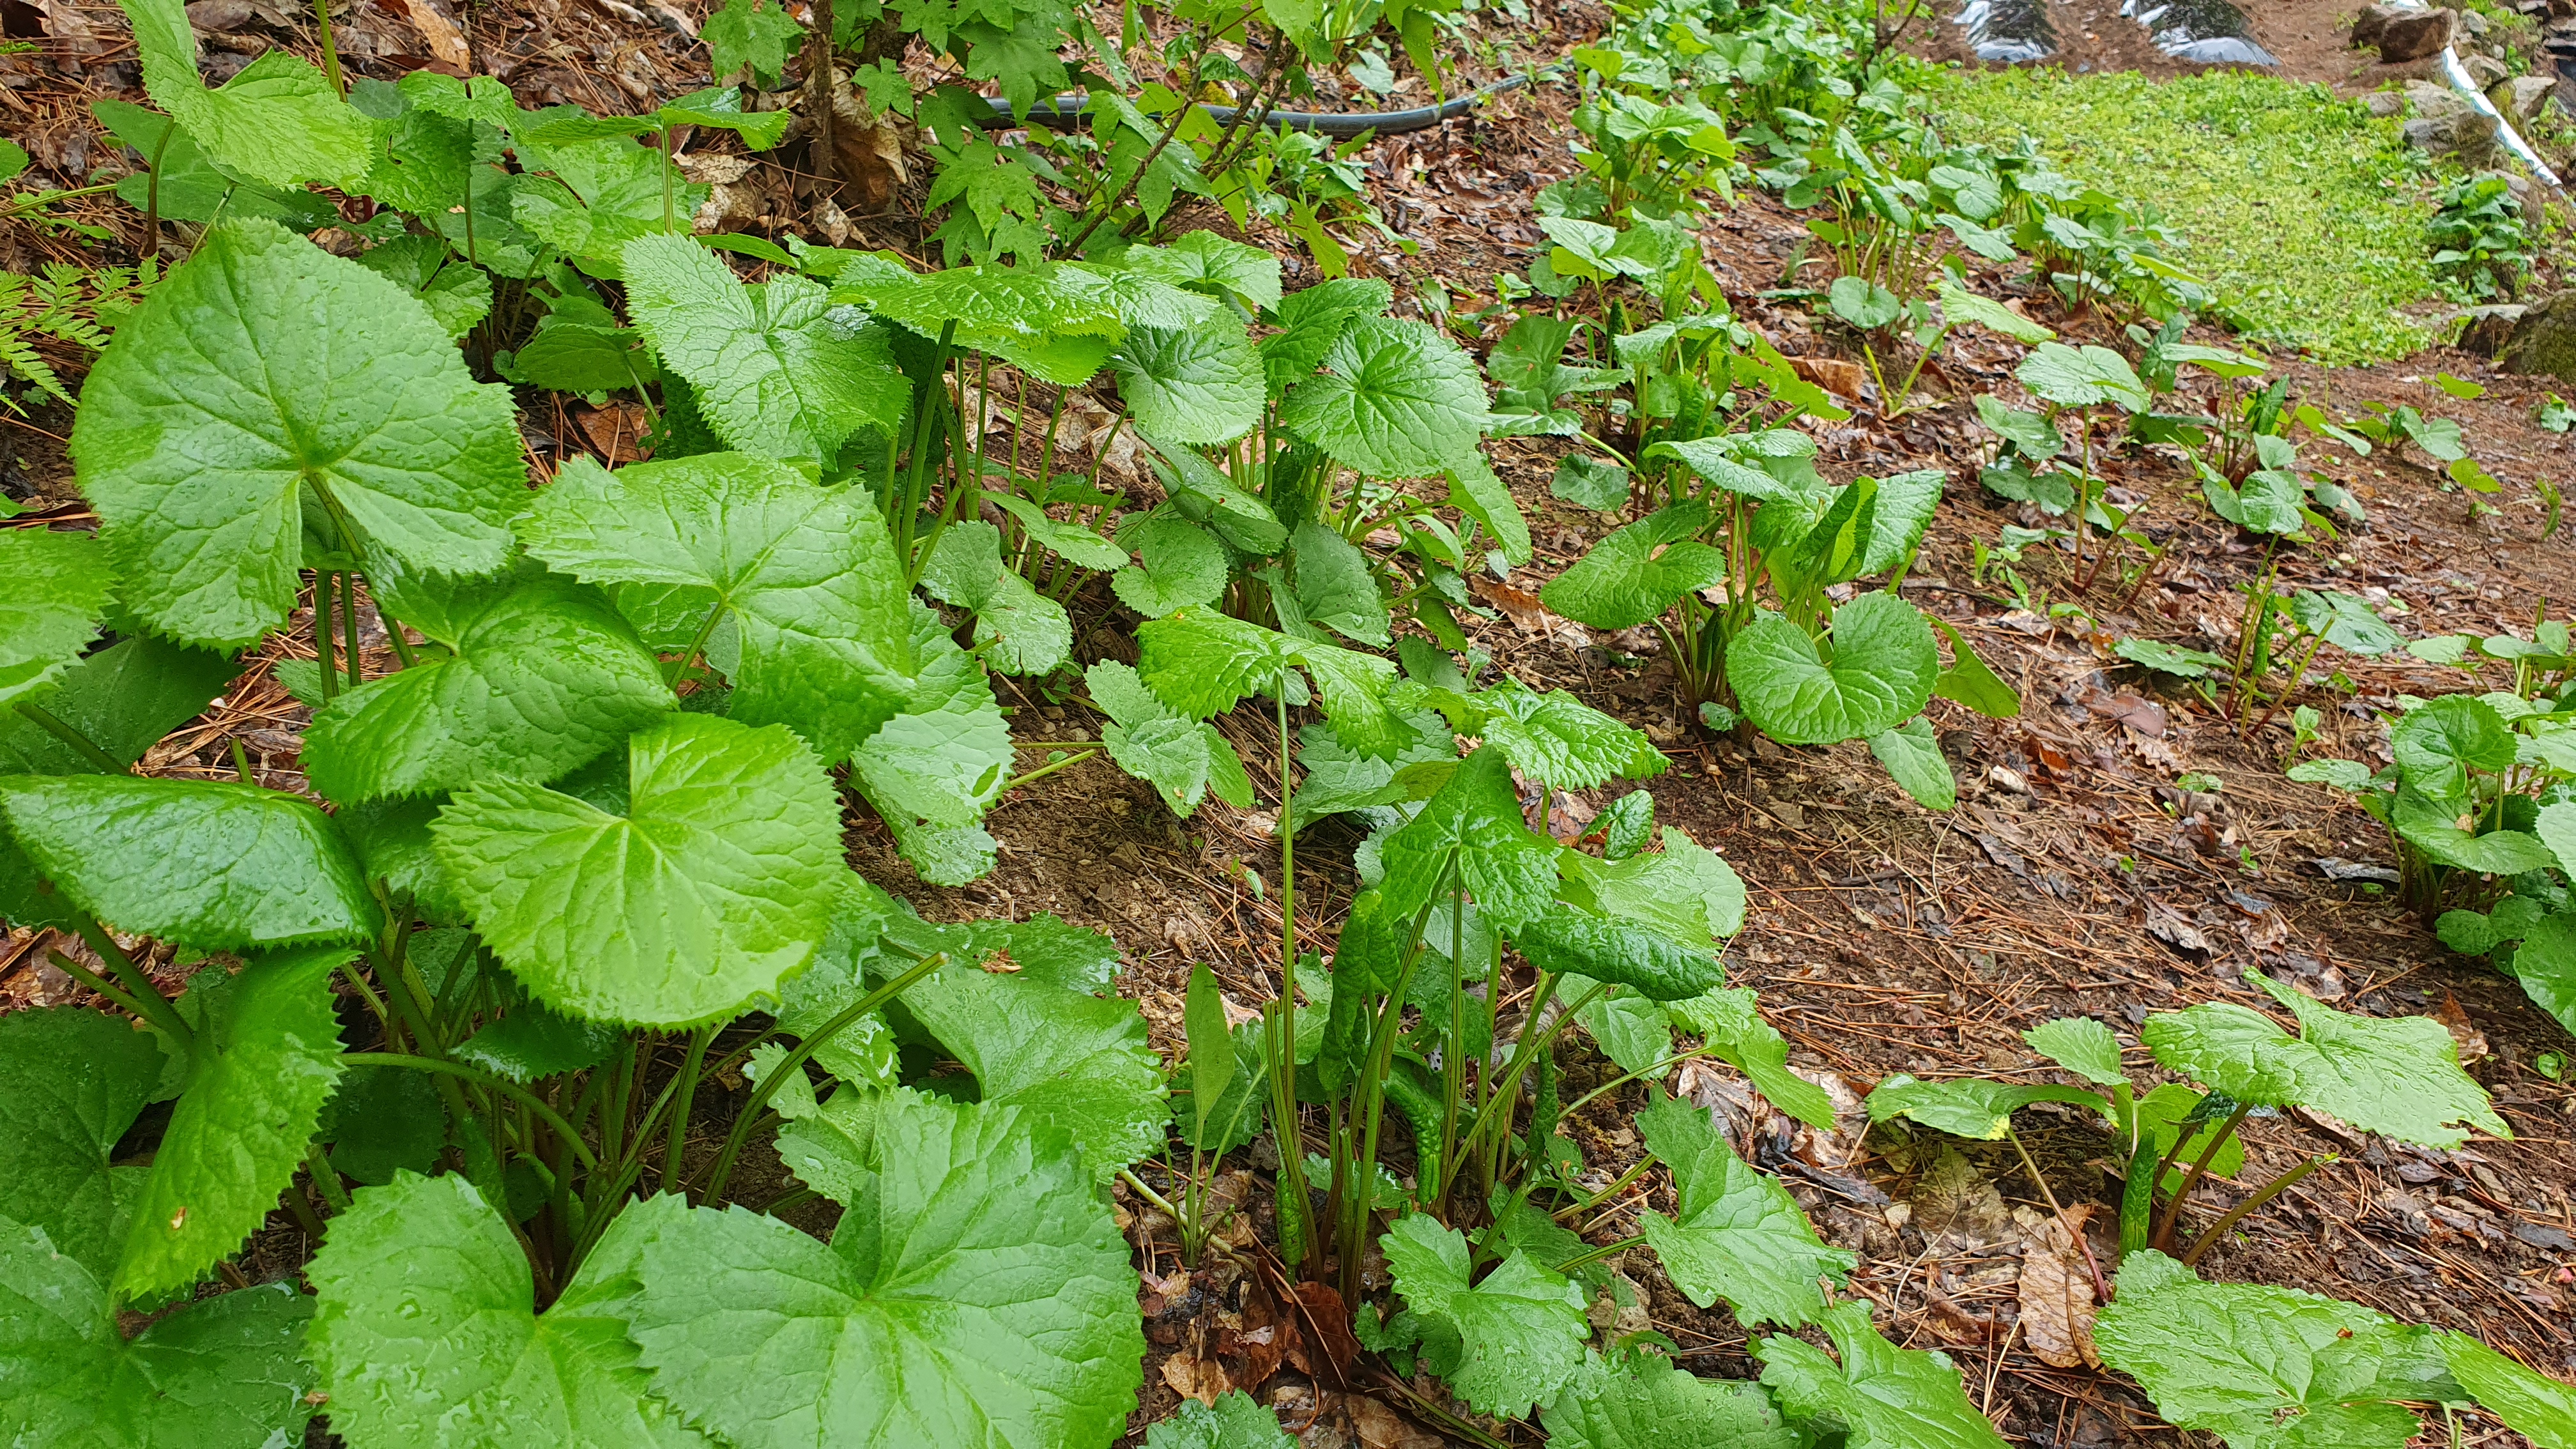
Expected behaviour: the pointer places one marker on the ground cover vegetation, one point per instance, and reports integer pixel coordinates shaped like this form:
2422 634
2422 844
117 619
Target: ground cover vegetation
579 856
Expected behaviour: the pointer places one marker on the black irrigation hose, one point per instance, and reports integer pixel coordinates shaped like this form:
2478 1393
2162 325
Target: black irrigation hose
1072 111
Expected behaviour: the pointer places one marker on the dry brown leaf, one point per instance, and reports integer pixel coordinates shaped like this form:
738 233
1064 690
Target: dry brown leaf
2057 1305
1831 373
1383 1428
617 431
1518 605
2471 1041
446 43
1193 1377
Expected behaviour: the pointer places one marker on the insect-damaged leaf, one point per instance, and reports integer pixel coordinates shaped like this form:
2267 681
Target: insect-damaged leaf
266 382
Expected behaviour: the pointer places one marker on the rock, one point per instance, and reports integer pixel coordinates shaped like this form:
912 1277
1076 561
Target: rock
2485 72
2385 103
2524 95
2372 20
2490 328
2434 100
2544 340
2414 34
2467 137
2472 21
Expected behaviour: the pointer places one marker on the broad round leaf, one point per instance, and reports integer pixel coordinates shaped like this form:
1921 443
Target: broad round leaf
1632 576
278 120
1518 1333
266 377
715 880
2538 1406
773 371
426 1332
1395 400
1890 1397
1198 385
976 1292
204 863
808 576
58 584
1653 1405
2394 1075
265 1059
1969 1106
1884 664
545 677
225 1373
1077 1061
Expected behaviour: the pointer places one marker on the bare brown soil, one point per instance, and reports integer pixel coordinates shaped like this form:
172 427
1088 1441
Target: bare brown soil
2309 38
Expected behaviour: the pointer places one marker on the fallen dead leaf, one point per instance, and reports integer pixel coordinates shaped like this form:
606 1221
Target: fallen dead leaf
2471 1041
446 43
617 431
1325 1322
1193 1377
1834 375
2057 1305
1518 605
1383 1428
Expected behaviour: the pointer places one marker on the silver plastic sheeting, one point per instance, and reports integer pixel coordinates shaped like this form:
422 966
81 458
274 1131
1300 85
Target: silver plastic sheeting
2205 32
2457 77
2008 32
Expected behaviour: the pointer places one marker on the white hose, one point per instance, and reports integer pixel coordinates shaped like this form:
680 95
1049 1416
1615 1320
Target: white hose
2457 76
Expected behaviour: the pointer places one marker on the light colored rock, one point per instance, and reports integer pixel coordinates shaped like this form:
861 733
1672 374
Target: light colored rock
2385 103
2544 340
2472 22
2484 70
2434 101
2525 95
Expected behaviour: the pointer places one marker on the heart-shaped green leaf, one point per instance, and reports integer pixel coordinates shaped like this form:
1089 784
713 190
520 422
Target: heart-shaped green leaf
1882 670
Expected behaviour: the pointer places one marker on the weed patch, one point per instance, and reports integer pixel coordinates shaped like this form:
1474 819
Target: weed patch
2301 211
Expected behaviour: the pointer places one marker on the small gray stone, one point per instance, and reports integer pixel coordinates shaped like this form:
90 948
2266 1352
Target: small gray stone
2385 103
2414 34
2484 70
2472 22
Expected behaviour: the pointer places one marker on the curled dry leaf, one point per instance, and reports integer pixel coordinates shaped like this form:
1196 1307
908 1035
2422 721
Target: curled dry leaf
1518 605
2057 1304
2471 1041
1193 1377
1380 1427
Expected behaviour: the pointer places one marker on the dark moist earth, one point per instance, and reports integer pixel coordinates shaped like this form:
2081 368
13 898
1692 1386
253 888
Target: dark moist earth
2080 873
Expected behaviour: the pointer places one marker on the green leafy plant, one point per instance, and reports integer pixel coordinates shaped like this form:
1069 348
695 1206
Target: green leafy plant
2481 244
2397 1077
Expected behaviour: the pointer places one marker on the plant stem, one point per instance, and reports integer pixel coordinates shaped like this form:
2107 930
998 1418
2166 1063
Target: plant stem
1607 1193
322 634
674 1156
2236 1214
99 984
2163 1238
490 1083
330 50
706 629
1148 1194
156 1008
1595 1255
152 190
1042 771
922 966
349 629
317 1165
81 744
